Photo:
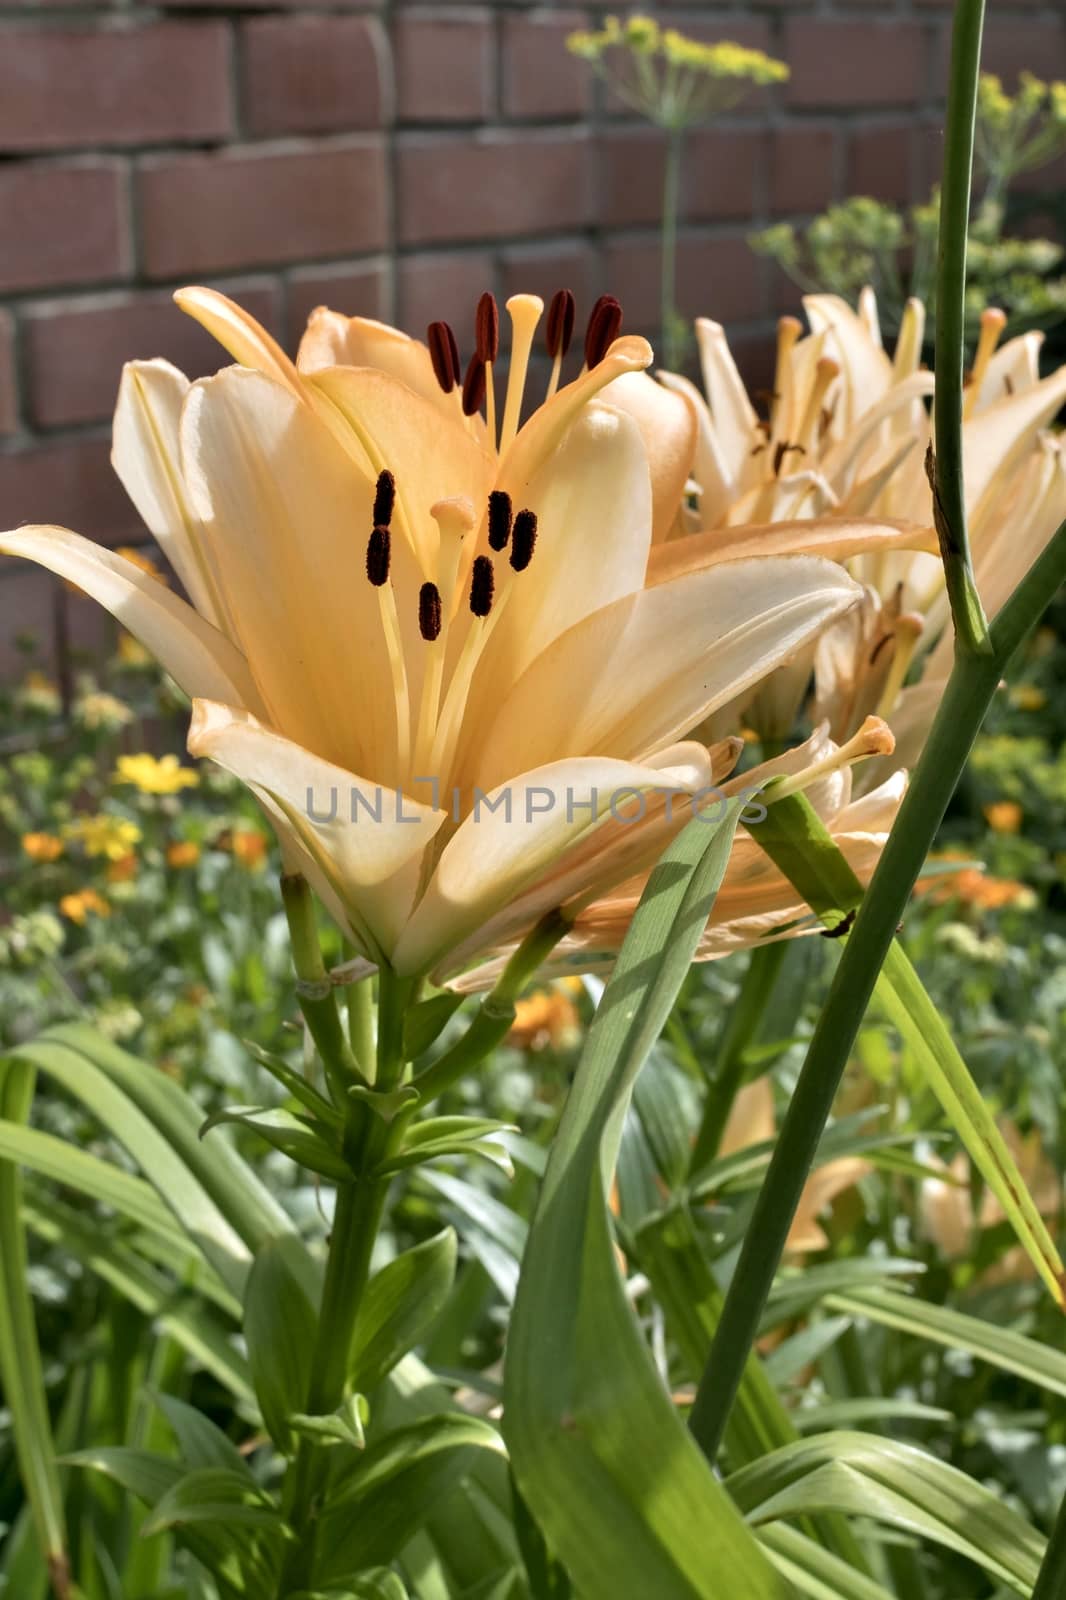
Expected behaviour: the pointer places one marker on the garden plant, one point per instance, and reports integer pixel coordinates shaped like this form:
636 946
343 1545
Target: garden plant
622 1158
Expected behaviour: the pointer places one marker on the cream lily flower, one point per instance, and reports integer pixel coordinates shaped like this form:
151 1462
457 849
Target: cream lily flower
425 642
857 421
756 903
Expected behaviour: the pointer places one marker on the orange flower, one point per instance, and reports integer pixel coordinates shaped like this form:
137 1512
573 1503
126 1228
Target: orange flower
1004 816
122 869
546 1017
42 846
249 846
183 853
974 887
78 906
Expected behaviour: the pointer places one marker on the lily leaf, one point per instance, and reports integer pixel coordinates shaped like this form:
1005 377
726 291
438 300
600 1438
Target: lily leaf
611 1475
401 1303
343 1426
302 1139
280 1326
295 1084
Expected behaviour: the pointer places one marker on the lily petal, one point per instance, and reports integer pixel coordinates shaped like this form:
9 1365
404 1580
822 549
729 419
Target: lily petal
364 838
868 368
333 340
835 538
238 332
646 669
514 835
198 657
669 428
145 455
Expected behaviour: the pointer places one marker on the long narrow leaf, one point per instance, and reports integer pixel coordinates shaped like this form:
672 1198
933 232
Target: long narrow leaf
600 1455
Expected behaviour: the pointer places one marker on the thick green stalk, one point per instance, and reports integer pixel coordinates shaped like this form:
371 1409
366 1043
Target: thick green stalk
949 498
671 206
356 1221
966 698
1051 1582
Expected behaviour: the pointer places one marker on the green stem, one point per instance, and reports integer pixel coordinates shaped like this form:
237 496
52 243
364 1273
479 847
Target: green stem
361 1022
313 988
966 698
671 206
971 627
496 1013
744 1018
356 1221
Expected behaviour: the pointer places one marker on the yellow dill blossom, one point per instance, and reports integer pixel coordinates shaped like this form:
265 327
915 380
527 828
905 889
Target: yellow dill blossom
42 846
78 906
249 846
39 693
152 775
131 652
140 559
99 710
183 853
104 835
1027 697
1004 816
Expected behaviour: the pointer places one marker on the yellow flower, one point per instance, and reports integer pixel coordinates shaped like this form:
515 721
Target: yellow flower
104 835
78 906
141 560
150 775
131 652
1027 697
42 846
183 853
433 617
1004 816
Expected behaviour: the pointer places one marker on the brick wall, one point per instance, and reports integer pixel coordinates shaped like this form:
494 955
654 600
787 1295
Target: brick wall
393 160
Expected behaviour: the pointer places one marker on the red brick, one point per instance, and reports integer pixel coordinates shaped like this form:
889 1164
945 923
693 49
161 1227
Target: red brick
27 600
70 483
718 278
881 162
855 63
249 206
492 186
8 383
445 66
358 288
63 223
75 349
802 167
1024 44
543 268
114 85
540 77
721 175
312 74
434 287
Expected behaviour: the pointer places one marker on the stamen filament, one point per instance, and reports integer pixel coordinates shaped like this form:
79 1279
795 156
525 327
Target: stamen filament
993 321
908 631
390 624
874 738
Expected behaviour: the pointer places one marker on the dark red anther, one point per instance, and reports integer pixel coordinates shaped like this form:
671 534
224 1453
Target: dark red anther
604 324
559 328
474 387
523 540
482 586
499 519
487 328
429 612
384 499
444 354
379 556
